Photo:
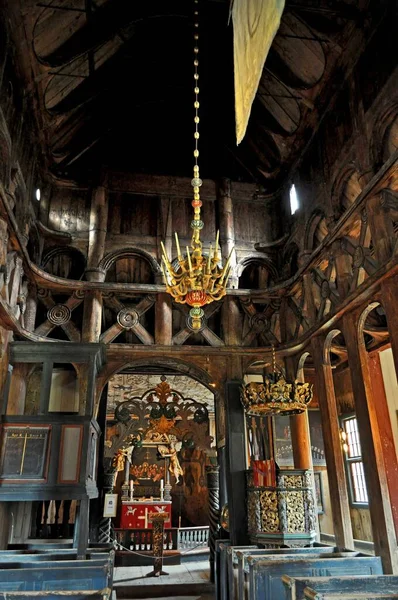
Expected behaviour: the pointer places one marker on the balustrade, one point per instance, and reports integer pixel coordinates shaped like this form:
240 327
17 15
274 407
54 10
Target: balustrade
183 538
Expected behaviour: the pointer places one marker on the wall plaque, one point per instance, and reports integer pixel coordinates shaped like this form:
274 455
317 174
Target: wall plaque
23 453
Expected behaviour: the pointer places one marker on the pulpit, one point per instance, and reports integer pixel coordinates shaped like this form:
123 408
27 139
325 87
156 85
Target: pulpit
135 513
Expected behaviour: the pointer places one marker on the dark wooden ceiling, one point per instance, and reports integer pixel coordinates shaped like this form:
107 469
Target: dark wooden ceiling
110 82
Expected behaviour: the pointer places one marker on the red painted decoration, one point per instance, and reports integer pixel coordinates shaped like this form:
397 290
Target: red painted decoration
196 298
135 515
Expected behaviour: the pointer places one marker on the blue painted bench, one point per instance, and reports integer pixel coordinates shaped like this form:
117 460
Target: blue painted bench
105 594
312 595
295 586
242 568
220 569
265 576
48 557
54 578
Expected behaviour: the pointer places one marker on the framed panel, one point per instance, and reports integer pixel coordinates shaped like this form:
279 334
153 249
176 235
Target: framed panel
24 452
283 450
70 453
283 442
110 506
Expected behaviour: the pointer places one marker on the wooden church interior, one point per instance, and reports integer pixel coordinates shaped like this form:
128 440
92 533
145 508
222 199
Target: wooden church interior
233 405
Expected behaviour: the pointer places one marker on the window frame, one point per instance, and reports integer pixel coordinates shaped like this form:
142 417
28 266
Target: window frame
348 461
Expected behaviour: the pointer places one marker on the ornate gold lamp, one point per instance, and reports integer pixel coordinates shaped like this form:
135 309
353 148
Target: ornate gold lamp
275 395
198 279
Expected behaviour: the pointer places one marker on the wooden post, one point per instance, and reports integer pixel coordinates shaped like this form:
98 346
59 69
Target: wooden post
213 485
163 320
98 227
383 416
231 321
333 451
299 428
80 538
389 295
227 227
236 464
372 451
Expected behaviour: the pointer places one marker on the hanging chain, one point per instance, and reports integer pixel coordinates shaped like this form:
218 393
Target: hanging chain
196 224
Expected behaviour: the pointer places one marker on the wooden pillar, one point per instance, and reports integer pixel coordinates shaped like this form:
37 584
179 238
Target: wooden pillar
383 416
333 451
80 538
372 451
299 428
227 227
236 464
163 320
98 227
231 321
389 295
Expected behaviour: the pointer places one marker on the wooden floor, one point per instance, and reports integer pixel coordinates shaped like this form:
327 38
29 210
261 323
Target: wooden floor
188 581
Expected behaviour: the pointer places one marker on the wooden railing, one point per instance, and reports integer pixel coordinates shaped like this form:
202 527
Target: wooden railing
193 537
183 538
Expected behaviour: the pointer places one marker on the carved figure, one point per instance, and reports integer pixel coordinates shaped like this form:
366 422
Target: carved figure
120 458
171 452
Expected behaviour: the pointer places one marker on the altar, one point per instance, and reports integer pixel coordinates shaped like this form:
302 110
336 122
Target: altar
135 513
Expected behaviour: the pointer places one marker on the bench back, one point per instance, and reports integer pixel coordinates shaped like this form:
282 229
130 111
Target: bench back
295 586
243 568
56 578
78 595
265 577
48 557
312 595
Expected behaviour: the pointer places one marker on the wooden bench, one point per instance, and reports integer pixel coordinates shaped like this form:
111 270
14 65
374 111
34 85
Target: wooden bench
105 594
295 586
366 596
5 557
241 566
265 576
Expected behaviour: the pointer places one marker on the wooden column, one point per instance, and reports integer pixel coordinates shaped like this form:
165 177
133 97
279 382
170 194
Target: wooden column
299 428
98 227
231 321
383 416
80 539
389 295
333 451
372 451
163 320
236 464
227 227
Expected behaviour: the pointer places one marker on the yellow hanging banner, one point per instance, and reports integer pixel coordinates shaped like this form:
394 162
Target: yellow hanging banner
255 23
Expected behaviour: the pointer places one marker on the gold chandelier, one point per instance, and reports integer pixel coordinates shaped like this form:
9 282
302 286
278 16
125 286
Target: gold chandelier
275 395
196 279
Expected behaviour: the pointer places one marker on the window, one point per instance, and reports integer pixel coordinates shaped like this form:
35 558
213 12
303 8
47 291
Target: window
294 203
353 459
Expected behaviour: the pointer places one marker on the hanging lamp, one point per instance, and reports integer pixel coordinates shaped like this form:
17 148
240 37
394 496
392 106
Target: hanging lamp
196 278
275 395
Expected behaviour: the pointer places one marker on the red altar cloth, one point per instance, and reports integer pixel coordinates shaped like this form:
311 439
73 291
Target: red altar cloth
135 514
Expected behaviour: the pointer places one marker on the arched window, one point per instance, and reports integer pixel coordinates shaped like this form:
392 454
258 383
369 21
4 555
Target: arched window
294 202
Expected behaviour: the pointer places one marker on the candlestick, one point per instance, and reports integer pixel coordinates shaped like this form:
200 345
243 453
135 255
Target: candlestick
131 489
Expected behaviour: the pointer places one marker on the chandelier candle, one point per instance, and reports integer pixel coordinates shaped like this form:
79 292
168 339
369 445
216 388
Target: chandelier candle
198 279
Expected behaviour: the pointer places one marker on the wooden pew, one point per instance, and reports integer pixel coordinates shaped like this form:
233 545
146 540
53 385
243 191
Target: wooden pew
231 562
265 576
366 596
242 568
105 594
219 568
48 557
295 586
